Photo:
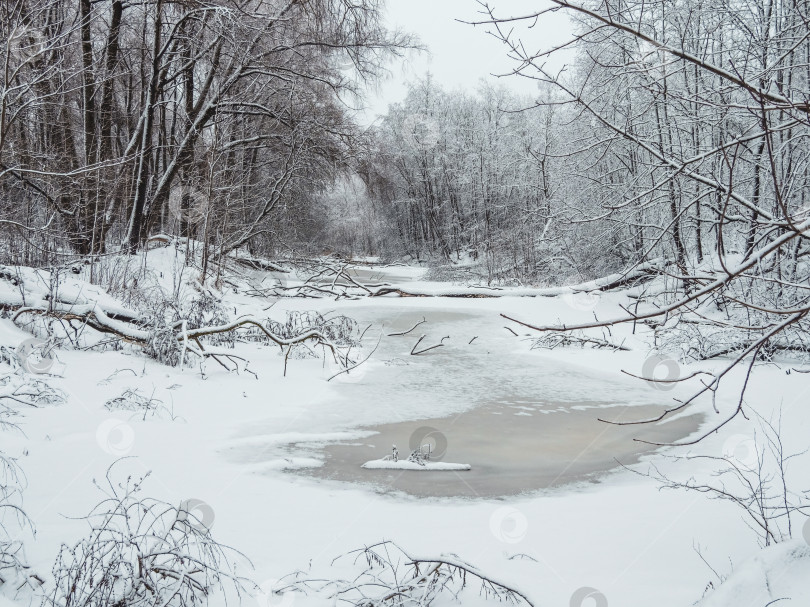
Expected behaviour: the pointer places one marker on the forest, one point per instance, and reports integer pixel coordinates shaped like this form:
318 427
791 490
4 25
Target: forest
678 132
186 185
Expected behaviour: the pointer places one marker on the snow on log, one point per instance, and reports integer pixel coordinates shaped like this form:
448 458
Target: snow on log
603 284
92 313
257 263
387 464
250 321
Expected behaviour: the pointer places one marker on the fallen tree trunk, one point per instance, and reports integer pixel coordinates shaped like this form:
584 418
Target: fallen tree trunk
613 281
92 314
16 302
321 339
96 318
256 263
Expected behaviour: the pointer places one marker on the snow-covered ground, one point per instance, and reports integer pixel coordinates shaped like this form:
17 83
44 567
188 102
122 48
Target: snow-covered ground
235 441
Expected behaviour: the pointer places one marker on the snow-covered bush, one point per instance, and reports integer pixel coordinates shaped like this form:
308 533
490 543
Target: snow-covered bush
206 310
163 346
142 552
27 390
164 319
12 517
697 340
340 330
755 474
17 390
385 575
133 401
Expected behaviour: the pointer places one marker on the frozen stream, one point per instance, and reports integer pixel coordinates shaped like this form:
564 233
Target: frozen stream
510 452
523 421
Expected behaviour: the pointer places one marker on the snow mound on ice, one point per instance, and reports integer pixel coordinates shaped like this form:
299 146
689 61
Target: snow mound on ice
387 464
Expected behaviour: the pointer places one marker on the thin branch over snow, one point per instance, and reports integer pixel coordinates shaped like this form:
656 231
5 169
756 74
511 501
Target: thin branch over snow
393 577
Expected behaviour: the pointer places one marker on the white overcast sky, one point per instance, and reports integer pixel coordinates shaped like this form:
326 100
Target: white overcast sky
459 54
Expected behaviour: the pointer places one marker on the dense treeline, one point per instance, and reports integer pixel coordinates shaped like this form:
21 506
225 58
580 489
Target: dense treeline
120 120
488 178
462 176
677 130
684 154
689 125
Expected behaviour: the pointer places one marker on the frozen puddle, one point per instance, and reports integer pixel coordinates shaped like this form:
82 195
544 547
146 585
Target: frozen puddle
509 453
526 422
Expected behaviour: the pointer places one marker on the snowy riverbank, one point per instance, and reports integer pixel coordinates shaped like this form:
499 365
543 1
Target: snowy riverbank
231 441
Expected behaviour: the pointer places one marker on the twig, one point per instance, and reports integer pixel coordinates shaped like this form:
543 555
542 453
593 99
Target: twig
438 345
409 330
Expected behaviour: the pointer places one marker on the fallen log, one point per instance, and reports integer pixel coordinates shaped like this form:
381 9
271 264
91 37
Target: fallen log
92 314
606 283
195 334
257 263
96 318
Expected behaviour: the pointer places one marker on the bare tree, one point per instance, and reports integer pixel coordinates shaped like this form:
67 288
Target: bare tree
702 153
129 119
